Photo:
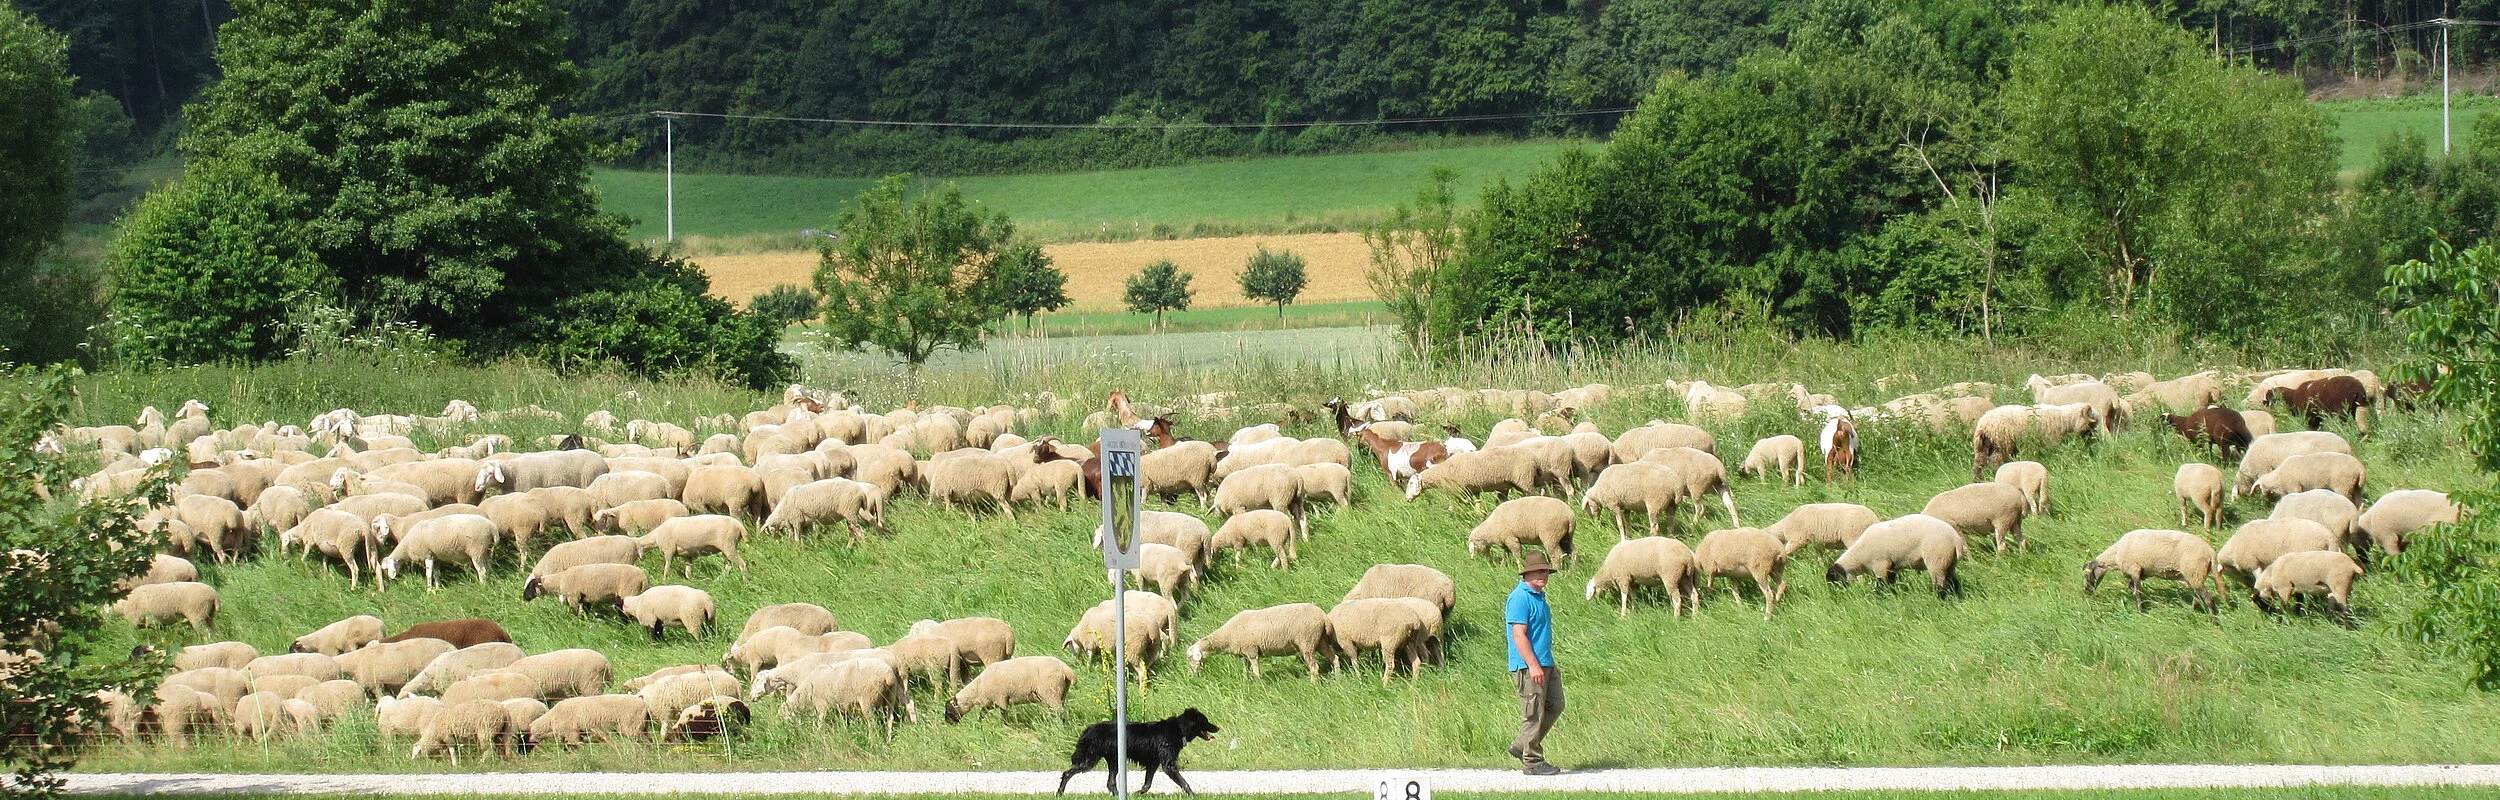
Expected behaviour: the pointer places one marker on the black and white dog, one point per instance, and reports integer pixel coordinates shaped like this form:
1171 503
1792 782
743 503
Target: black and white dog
1152 745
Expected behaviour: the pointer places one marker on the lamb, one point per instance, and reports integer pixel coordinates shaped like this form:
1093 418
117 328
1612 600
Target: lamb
1500 470
339 535
981 640
231 655
1740 553
309 664
618 488
2399 513
693 537
457 665
1326 480
459 632
1832 525
1012 682
1385 624
2221 428
1544 520
1784 455
2267 452
189 601
1916 541
1991 507
807 618
610 717
2324 507
2260 542
2032 478
654 608
565 673
163 568
2312 573
2176 555
1048 480
2199 485
385 668
484 722
1651 487
973 476
588 584
863 686
1270 486
1650 560
1278 630
1657 435
341 636
443 539
1406 580
531 471
1263 526
1703 475
594 550
2338 471
1152 622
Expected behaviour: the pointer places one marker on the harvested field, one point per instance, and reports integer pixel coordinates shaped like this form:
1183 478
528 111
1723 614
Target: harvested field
1096 269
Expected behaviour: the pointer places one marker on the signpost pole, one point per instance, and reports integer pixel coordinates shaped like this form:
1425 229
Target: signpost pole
1122 499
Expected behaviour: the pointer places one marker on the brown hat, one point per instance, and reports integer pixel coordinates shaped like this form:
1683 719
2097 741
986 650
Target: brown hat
1533 561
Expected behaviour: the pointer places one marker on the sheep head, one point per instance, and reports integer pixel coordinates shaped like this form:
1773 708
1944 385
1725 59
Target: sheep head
490 473
2092 572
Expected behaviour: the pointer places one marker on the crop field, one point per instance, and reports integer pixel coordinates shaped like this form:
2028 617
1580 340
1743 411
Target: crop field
1097 271
2025 669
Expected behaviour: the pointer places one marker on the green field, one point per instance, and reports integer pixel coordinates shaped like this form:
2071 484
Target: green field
2363 123
1205 320
1333 347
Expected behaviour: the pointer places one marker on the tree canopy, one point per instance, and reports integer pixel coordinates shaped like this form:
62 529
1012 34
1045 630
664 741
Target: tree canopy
1156 288
911 275
1274 277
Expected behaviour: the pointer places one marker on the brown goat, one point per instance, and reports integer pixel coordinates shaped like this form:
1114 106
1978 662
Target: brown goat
2213 425
459 632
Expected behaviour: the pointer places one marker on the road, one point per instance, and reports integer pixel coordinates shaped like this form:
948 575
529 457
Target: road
1689 780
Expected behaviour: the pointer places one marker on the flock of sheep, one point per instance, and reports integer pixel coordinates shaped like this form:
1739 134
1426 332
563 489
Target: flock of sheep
355 490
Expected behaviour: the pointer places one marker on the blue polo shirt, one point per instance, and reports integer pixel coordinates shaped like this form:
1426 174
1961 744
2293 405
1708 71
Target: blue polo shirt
1527 607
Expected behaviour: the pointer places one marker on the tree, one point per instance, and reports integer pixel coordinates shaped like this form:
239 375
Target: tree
1160 287
1409 251
208 269
911 275
2447 307
1273 277
1027 282
37 138
786 304
59 562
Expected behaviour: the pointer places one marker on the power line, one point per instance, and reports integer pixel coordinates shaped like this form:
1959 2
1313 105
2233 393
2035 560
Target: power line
1144 125
2304 41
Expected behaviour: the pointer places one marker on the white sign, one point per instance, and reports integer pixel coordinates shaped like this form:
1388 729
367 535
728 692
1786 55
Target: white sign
1123 497
1402 787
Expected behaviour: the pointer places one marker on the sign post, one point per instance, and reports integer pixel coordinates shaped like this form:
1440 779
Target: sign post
1123 498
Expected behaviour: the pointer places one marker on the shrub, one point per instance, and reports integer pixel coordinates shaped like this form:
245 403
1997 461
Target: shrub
786 304
661 328
206 269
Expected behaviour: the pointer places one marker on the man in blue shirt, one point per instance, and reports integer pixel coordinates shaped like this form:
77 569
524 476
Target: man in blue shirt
1531 625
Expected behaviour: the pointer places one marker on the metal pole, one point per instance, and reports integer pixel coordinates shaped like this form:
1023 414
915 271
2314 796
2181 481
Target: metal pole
2444 146
1119 682
672 176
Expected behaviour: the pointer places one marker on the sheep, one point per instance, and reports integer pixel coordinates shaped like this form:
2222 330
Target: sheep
823 502
1406 580
588 584
1047 480
215 520
976 475
1173 528
2337 471
1651 487
654 608
441 539
385 668
278 508
459 632
1832 525
1703 475
2198 485
1535 518
494 685
162 568
227 685
284 685
565 673
1279 630
1990 507
2100 396
886 467
231 655
864 686
761 650
2187 393
180 712
594 550
693 537
1657 435
980 640
2322 506
1741 553
618 488
727 490
189 601
452 667
672 694
1270 486
610 717
1186 466
484 722
636 685
1500 470
572 506
2032 478
1326 480
2312 573
791 649
1996 437
1165 568
1916 541
2225 430
1782 457
2398 514
1152 622
339 535
340 637
2175 555
807 618
258 715
445 481
2259 542
530 471
313 665
1649 560
1385 624
331 699
2267 452
519 516
2260 422
1012 682
1262 526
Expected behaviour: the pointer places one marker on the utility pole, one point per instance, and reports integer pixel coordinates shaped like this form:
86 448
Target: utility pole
2444 147
671 160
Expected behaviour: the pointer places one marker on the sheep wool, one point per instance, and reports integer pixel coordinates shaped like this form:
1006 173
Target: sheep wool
1654 560
1294 628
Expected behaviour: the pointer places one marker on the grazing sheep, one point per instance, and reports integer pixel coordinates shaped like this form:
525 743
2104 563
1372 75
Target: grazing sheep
313 665
227 685
2398 514
1983 507
2267 452
866 687
445 481
1268 486
609 717
1832 525
1782 457
981 640
385 668
2187 393
2221 428
1406 580
1916 541
341 636
278 508
2312 573
496 686
1262 526
972 476
761 650
2100 396
618 488
1013 682
1659 435
181 712
1500 470
792 649
442 539
284 685
2260 542
532 471
524 712
452 667
890 469
636 685
1182 467
459 632
331 699
163 568
231 655
1326 480
588 584
482 722
1152 622
2337 471
1279 630
1049 480
215 520
2032 478
566 673
654 608
1385 624
2260 422
1703 476
594 550
1173 528
1535 518
673 694
1650 560
931 656
258 715
726 490
2199 485
189 601
1165 568
404 717
693 537
1741 553
570 505
1651 487
807 618
339 535
2324 507
2176 555
519 516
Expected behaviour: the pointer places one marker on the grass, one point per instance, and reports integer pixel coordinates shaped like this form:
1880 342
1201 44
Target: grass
2289 793
2025 670
2362 124
1338 348
1277 195
1248 318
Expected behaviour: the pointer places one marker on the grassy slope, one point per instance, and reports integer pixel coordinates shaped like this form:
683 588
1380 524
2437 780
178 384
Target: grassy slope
2025 670
2363 123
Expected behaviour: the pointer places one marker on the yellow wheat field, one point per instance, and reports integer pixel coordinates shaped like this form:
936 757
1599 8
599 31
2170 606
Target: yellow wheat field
1096 269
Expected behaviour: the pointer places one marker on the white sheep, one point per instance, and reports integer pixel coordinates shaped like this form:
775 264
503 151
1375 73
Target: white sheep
1406 580
654 608
1031 679
980 640
692 537
588 584
2032 478
1152 622
618 488
1831 525
1165 568
2259 542
1781 457
2336 471
1916 541
1653 560
610 717
972 476
2322 506
1183 467
806 618
2312 573
442 539
1387 625
593 550
1294 628
2176 555
825 502
340 637
1326 480
566 673
1263 526
1179 530
2269 451
404 717
231 655
455 666
339 535
1993 508
2397 514
1652 488
482 722
2198 485
1536 518
1657 435
1703 476
1269 486
385 667
189 601
1743 553
1500 470
726 490
867 687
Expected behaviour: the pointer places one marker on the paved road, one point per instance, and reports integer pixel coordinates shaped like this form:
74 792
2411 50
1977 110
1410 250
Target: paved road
1757 779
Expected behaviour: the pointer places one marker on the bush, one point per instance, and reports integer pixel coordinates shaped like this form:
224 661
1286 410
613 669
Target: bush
1027 283
786 304
660 328
207 269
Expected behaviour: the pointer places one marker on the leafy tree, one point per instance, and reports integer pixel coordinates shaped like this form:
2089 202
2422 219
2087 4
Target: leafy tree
912 275
786 304
37 139
1160 287
1027 282
1274 277
59 562
208 269
2449 309
1411 249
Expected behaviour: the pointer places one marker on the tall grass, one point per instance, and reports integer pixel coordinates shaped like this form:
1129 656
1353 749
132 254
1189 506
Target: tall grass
2283 793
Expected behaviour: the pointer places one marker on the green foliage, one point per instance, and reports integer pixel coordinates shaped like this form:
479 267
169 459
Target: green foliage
1413 248
2449 307
911 275
1274 277
1027 283
59 562
50 311
786 304
38 138
661 327
208 269
1159 287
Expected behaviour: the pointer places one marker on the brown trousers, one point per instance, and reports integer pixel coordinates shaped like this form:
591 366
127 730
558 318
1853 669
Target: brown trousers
1539 706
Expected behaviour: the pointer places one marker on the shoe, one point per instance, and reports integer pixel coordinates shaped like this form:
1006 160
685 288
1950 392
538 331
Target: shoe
1542 768
1513 750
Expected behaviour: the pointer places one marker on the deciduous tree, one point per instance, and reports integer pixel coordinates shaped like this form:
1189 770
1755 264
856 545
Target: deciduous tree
1160 287
912 275
1275 277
